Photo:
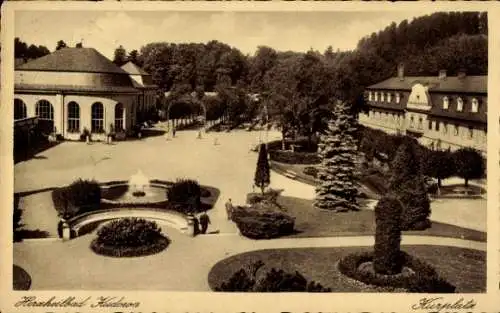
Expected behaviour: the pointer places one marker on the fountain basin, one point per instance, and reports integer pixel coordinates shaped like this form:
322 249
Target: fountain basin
119 193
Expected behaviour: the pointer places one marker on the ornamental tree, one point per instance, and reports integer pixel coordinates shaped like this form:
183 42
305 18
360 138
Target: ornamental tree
262 177
407 184
469 163
439 164
387 253
337 171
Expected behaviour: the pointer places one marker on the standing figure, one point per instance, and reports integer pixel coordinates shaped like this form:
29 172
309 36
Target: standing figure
196 225
173 131
204 221
229 209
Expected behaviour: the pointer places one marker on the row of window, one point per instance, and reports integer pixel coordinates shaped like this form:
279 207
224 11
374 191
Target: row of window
374 96
433 125
387 97
45 111
460 104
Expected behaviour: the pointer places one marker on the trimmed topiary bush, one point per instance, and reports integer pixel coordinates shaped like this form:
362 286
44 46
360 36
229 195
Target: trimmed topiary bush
387 253
185 193
263 221
129 237
417 276
262 177
80 197
290 157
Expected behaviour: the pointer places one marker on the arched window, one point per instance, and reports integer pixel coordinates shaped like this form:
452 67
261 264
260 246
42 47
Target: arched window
398 97
460 104
376 96
389 96
44 110
20 111
97 124
119 117
370 96
73 117
382 96
475 105
446 103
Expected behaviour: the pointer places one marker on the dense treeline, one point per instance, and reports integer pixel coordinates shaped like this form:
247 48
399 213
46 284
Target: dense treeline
299 87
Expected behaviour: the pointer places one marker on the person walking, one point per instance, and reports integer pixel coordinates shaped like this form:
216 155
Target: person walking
229 209
204 221
196 224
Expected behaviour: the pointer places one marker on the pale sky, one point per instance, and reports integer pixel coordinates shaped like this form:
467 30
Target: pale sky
297 31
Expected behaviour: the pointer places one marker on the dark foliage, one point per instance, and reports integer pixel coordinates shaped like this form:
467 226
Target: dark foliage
425 279
290 157
187 193
387 255
17 216
439 164
262 177
408 185
129 237
80 197
245 280
270 195
311 171
469 164
263 221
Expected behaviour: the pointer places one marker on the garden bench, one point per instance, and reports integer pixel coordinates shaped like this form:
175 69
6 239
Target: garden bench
290 174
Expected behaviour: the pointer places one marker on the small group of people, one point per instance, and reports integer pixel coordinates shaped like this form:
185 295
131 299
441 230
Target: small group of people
202 221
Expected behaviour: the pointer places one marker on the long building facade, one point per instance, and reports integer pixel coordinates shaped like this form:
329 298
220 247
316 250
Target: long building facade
73 90
442 112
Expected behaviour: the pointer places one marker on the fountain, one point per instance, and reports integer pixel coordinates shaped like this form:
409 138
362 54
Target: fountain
138 190
138 184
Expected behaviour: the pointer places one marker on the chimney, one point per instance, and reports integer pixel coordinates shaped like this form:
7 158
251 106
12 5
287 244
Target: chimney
401 71
461 74
442 74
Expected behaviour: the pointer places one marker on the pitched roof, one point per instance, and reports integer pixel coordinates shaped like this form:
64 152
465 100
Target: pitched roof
134 69
478 84
87 60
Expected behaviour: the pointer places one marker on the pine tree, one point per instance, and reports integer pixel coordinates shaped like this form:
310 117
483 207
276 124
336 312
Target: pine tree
337 172
262 173
407 184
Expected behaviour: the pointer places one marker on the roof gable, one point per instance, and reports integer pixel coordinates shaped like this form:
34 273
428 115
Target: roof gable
87 60
133 69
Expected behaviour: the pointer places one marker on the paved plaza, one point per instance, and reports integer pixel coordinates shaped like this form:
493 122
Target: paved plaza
228 166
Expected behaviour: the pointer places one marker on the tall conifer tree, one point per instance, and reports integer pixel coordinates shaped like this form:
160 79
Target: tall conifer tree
337 172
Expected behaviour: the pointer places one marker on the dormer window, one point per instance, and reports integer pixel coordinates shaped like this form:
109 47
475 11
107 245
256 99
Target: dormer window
370 96
475 105
460 105
389 97
398 97
382 97
446 103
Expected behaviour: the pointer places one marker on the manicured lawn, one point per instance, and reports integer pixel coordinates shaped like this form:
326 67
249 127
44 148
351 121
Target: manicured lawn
21 279
311 222
464 268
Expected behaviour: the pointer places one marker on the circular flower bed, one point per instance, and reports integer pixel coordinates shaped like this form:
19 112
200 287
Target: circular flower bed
129 237
21 279
416 276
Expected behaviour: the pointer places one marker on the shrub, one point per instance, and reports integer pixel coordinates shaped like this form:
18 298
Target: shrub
17 216
421 278
290 157
185 192
273 281
79 197
387 254
262 221
311 171
270 195
129 237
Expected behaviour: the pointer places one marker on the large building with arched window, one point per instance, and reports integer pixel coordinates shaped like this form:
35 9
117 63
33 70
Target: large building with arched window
76 89
441 112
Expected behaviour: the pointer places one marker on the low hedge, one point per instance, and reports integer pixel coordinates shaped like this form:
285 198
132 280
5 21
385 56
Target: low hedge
257 224
424 277
311 171
290 157
119 252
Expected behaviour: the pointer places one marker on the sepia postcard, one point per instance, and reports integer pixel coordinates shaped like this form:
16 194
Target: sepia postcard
250 157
